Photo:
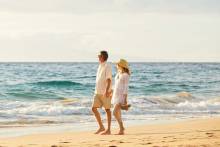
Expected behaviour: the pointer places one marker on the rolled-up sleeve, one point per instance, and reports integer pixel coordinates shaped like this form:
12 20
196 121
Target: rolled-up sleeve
126 81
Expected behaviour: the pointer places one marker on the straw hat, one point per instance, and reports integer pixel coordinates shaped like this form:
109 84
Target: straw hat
123 63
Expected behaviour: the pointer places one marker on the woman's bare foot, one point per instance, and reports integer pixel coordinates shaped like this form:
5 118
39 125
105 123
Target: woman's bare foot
99 130
107 132
121 132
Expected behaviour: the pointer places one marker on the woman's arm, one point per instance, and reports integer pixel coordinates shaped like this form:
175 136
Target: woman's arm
125 98
125 91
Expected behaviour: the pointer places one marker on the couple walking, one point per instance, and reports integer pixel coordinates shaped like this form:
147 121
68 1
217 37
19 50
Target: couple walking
104 93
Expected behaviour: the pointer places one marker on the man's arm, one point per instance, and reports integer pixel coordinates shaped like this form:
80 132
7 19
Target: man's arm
108 80
107 92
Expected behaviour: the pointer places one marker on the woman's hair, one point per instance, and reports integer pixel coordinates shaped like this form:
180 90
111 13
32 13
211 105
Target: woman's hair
126 70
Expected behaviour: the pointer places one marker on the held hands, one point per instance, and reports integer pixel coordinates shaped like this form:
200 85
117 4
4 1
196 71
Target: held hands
125 106
108 94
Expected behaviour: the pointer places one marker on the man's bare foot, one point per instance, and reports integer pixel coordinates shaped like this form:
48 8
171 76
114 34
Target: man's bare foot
99 130
107 132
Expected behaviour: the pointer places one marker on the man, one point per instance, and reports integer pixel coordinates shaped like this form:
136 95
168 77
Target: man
103 92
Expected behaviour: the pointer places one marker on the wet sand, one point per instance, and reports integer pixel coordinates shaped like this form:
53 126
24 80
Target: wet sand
188 133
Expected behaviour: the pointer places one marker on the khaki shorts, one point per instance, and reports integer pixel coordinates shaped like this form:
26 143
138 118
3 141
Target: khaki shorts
100 101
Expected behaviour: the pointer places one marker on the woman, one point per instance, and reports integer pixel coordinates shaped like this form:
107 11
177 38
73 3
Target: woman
120 92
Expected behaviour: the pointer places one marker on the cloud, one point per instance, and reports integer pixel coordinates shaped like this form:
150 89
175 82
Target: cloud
98 6
138 30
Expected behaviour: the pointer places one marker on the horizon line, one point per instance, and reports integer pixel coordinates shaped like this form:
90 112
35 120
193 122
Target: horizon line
109 61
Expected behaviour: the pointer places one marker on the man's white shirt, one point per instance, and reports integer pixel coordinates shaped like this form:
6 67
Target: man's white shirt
104 72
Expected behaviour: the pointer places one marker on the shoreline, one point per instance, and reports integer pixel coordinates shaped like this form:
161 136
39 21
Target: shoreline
22 129
191 132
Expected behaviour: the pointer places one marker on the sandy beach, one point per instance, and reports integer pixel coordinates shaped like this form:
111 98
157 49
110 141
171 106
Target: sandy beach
187 133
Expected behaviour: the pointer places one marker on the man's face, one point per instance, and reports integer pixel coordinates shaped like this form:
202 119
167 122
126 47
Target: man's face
101 59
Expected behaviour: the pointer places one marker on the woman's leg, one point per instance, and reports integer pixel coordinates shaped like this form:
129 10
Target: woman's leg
117 114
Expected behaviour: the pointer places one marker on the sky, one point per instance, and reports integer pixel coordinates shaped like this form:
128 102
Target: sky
136 30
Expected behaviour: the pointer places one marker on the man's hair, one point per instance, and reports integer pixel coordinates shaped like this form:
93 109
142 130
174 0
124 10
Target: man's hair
104 54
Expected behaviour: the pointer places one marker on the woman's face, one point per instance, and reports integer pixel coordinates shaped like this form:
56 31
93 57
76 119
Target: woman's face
119 68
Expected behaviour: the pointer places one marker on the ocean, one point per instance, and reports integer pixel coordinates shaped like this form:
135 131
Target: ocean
62 93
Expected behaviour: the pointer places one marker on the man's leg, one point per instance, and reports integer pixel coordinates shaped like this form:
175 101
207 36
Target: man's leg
108 114
98 118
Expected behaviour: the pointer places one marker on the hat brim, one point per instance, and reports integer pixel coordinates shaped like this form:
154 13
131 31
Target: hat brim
118 63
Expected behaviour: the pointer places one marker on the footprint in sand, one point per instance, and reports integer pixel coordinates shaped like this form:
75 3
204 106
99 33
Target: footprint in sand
117 141
168 136
64 142
148 143
204 145
55 146
29 144
210 134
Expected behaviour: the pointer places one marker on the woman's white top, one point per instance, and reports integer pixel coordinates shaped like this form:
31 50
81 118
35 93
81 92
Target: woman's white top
120 88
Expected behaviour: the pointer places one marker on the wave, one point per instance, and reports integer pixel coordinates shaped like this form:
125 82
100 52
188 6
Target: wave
54 89
168 101
184 94
26 122
164 86
183 103
214 100
58 83
86 76
199 106
31 95
22 109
